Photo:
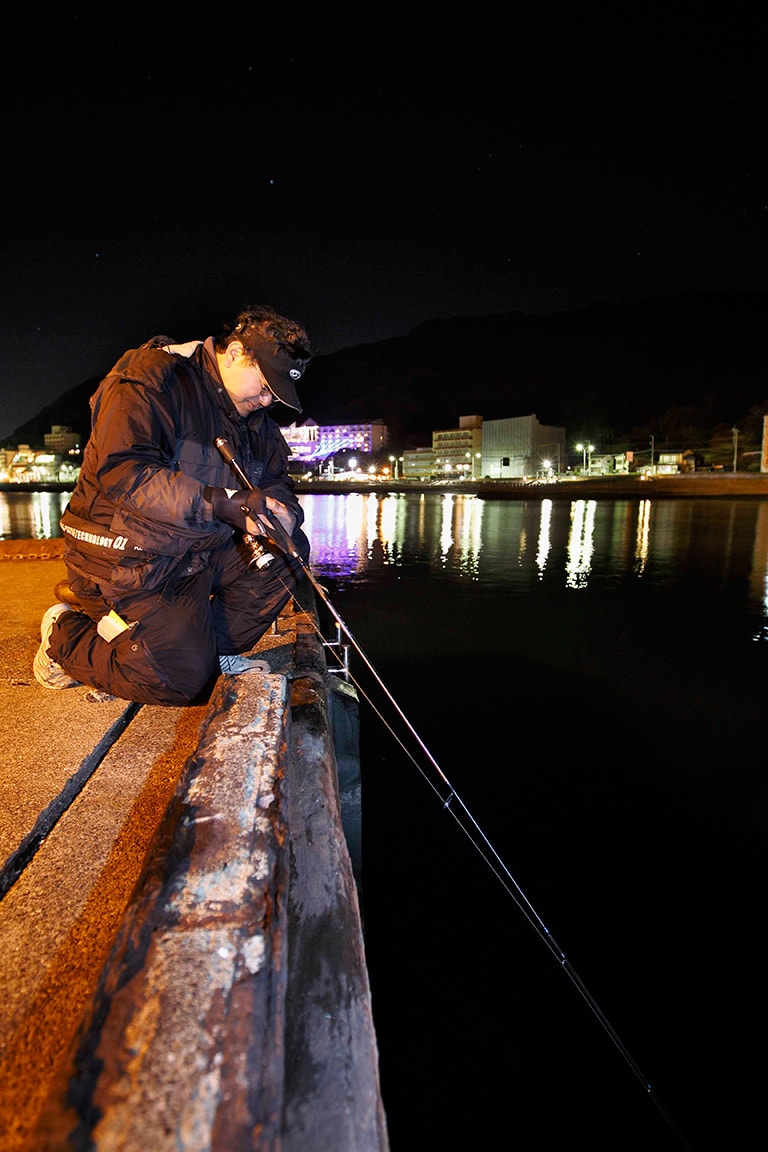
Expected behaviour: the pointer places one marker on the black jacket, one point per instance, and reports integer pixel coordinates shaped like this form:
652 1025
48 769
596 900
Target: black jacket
151 453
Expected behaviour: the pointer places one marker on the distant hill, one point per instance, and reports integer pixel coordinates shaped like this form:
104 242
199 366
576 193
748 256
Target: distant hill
599 371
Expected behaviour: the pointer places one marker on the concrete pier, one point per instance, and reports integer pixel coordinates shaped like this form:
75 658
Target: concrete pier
181 947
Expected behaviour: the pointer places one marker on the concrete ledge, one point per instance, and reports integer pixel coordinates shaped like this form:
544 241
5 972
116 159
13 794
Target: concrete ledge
188 1049
332 1096
183 957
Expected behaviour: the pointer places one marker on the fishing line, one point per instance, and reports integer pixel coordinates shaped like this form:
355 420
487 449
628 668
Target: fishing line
497 866
276 536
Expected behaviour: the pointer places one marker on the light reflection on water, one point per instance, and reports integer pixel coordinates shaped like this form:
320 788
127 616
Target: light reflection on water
518 543
509 543
31 515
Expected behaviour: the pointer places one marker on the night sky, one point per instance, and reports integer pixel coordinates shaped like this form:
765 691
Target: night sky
365 176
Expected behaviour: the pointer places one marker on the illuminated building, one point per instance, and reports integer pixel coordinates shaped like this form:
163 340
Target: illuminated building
311 443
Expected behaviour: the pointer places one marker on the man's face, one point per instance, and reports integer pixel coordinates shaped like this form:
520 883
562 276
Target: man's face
244 380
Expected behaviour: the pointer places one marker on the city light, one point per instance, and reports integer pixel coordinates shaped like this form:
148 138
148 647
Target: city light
586 450
471 464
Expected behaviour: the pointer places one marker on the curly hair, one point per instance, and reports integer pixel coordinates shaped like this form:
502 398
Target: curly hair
289 335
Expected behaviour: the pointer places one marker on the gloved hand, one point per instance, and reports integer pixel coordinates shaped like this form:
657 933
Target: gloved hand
234 509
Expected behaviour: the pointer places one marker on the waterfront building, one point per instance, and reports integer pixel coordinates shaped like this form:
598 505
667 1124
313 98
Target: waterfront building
519 446
27 465
311 443
419 464
489 449
455 453
458 451
62 439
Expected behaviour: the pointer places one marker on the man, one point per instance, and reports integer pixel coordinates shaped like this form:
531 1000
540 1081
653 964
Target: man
164 593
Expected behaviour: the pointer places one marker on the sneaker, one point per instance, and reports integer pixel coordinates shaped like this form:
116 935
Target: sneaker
95 696
235 665
47 671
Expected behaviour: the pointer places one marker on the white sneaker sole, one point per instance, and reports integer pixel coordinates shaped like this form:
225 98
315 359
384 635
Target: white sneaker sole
47 671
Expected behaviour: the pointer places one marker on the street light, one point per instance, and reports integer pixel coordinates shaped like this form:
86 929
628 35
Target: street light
393 462
586 449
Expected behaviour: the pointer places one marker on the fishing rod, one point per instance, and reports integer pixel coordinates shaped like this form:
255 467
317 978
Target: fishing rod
275 536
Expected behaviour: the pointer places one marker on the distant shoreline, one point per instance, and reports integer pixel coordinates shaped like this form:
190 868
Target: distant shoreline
52 486
750 485
724 485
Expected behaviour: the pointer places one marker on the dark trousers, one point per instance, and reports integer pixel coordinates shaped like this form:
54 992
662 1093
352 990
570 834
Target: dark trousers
169 654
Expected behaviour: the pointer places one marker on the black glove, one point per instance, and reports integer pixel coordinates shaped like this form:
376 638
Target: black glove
234 509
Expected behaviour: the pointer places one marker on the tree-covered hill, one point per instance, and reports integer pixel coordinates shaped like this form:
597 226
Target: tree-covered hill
607 372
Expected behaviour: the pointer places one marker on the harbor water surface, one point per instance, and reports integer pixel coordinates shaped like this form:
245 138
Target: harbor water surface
589 678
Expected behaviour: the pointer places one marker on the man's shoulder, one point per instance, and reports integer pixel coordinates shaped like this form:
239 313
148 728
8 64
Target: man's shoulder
153 367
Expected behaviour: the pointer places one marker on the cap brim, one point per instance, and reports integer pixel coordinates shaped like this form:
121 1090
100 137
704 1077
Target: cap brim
280 383
280 370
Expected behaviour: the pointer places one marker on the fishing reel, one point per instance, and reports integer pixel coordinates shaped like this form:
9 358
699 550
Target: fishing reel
259 554
273 535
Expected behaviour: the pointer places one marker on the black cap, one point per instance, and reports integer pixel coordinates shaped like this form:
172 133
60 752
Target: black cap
281 370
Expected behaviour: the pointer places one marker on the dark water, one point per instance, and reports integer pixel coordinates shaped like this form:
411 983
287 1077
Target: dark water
26 515
590 679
